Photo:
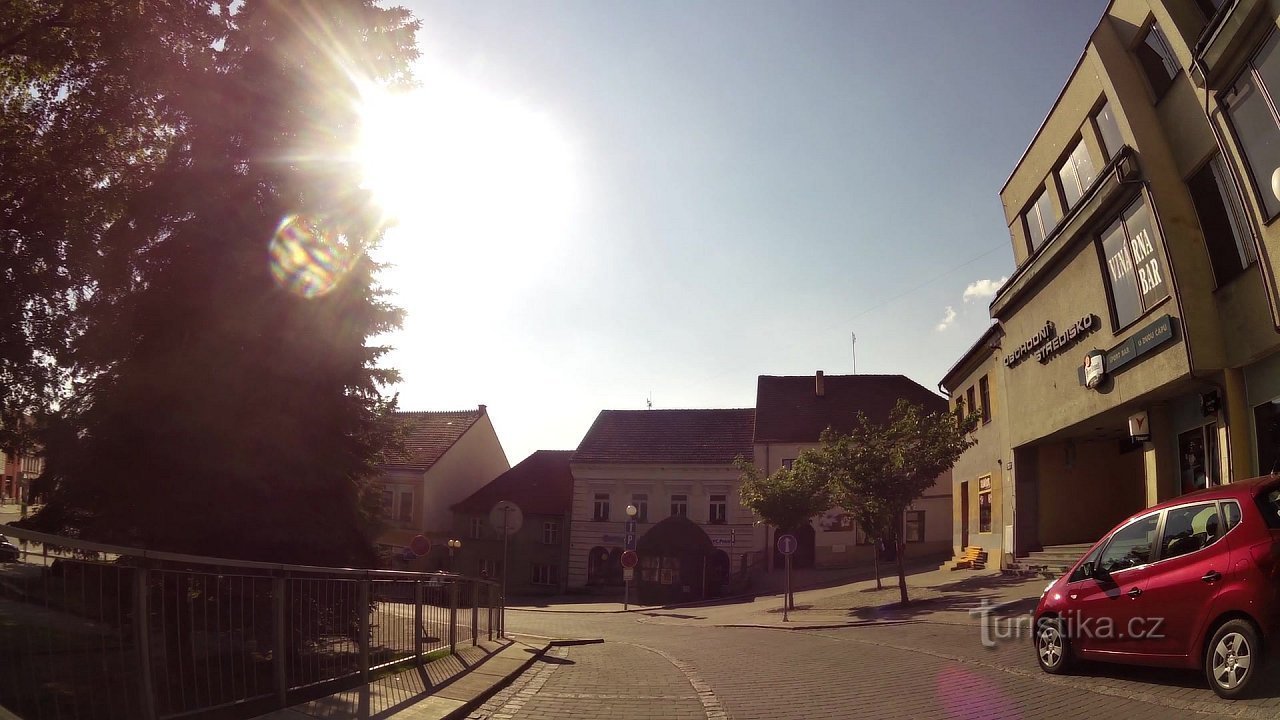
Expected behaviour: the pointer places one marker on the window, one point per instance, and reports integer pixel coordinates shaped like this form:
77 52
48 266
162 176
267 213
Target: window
1133 266
388 503
1076 174
406 506
968 397
719 510
1222 220
915 526
1269 505
1230 515
546 574
1210 7
1156 60
984 504
1079 574
1198 458
641 501
600 510
787 463
1109 129
550 532
679 506
1040 219
488 568
1254 121
477 528
1131 545
1188 529
984 393
960 408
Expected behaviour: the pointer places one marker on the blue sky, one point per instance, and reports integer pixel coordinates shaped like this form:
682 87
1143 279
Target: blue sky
743 185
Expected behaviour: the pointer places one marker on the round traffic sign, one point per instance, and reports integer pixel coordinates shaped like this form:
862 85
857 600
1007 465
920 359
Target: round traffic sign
506 517
420 545
787 544
630 559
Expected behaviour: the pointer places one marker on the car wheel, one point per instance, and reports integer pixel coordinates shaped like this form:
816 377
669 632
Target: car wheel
1053 647
1233 659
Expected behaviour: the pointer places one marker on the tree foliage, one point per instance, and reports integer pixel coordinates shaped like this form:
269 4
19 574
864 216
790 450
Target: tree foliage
218 297
785 499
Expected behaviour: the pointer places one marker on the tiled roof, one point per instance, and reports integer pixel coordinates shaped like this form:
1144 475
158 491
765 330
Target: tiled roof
711 437
788 408
541 484
429 435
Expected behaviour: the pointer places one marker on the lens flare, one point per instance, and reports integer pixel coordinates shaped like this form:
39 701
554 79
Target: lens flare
306 259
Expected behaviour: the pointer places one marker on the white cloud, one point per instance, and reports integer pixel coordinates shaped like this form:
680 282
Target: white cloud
948 317
982 289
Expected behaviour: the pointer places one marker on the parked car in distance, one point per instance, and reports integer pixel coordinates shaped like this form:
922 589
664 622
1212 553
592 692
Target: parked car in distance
8 551
1189 583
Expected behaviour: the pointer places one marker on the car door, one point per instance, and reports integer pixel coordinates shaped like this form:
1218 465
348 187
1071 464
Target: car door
1103 605
1190 571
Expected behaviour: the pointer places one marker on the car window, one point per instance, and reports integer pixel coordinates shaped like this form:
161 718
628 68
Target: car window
1131 545
1269 505
1189 528
1079 573
1230 514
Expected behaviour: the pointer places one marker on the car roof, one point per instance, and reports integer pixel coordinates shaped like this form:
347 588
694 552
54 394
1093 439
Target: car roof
1239 490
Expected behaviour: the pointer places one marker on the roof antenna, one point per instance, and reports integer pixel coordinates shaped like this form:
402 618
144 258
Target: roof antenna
649 400
855 352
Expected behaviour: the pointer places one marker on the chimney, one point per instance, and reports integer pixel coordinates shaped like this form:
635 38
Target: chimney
484 409
818 387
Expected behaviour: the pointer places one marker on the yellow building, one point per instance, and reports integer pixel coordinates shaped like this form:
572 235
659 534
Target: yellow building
1141 221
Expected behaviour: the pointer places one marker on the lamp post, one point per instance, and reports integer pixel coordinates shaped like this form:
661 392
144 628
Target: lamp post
626 581
453 545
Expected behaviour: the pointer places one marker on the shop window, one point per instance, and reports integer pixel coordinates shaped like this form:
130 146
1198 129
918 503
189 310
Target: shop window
600 507
546 574
1198 458
550 532
680 505
1156 60
984 393
477 528
1266 422
1105 120
718 512
1252 111
1076 174
1222 220
1133 267
406 506
1040 219
984 504
915 526
641 501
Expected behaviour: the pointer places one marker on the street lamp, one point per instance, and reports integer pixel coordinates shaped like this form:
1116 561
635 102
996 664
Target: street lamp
453 545
626 581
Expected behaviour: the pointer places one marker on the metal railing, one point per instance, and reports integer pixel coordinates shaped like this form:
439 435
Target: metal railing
97 631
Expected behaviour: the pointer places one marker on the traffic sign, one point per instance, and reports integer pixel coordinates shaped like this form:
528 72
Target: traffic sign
787 544
420 545
506 517
630 527
630 559
628 573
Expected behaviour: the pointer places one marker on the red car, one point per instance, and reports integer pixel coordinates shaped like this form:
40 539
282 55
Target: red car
1189 583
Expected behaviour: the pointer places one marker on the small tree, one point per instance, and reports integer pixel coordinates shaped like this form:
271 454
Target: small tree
879 470
787 498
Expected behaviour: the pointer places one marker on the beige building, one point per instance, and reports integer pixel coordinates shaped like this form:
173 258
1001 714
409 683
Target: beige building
447 457
1137 218
791 413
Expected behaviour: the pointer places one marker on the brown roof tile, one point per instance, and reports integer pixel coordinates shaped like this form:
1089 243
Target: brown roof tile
696 437
788 408
429 435
541 484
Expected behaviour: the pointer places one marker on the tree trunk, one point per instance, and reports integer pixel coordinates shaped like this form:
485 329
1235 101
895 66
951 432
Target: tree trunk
875 558
902 572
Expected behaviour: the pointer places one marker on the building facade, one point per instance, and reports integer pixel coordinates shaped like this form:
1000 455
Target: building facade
791 414
447 456
537 554
677 468
1135 356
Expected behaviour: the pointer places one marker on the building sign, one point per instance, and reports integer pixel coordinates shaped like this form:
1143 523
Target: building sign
1140 427
1095 368
1048 343
984 483
1145 340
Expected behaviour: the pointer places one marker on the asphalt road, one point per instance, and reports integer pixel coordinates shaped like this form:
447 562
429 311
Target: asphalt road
650 667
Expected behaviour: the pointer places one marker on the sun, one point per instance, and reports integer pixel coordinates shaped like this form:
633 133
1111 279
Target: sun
464 174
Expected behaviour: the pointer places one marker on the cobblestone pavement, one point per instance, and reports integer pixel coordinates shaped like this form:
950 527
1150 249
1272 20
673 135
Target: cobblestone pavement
934 667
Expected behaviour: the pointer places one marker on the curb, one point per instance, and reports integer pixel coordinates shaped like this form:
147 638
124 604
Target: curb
822 626
466 708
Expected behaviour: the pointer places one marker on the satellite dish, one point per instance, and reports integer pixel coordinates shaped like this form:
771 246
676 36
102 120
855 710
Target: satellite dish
506 517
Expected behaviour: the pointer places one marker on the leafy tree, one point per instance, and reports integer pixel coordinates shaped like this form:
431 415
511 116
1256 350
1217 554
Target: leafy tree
226 400
786 499
879 469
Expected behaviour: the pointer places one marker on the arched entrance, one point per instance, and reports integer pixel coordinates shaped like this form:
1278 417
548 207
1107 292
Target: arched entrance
676 559
806 540
598 566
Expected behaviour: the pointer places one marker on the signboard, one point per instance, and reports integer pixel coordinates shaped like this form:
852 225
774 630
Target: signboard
505 517
984 483
1147 339
420 545
630 533
630 559
630 527
628 573
1095 369
1140 426
787 544
1047 343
